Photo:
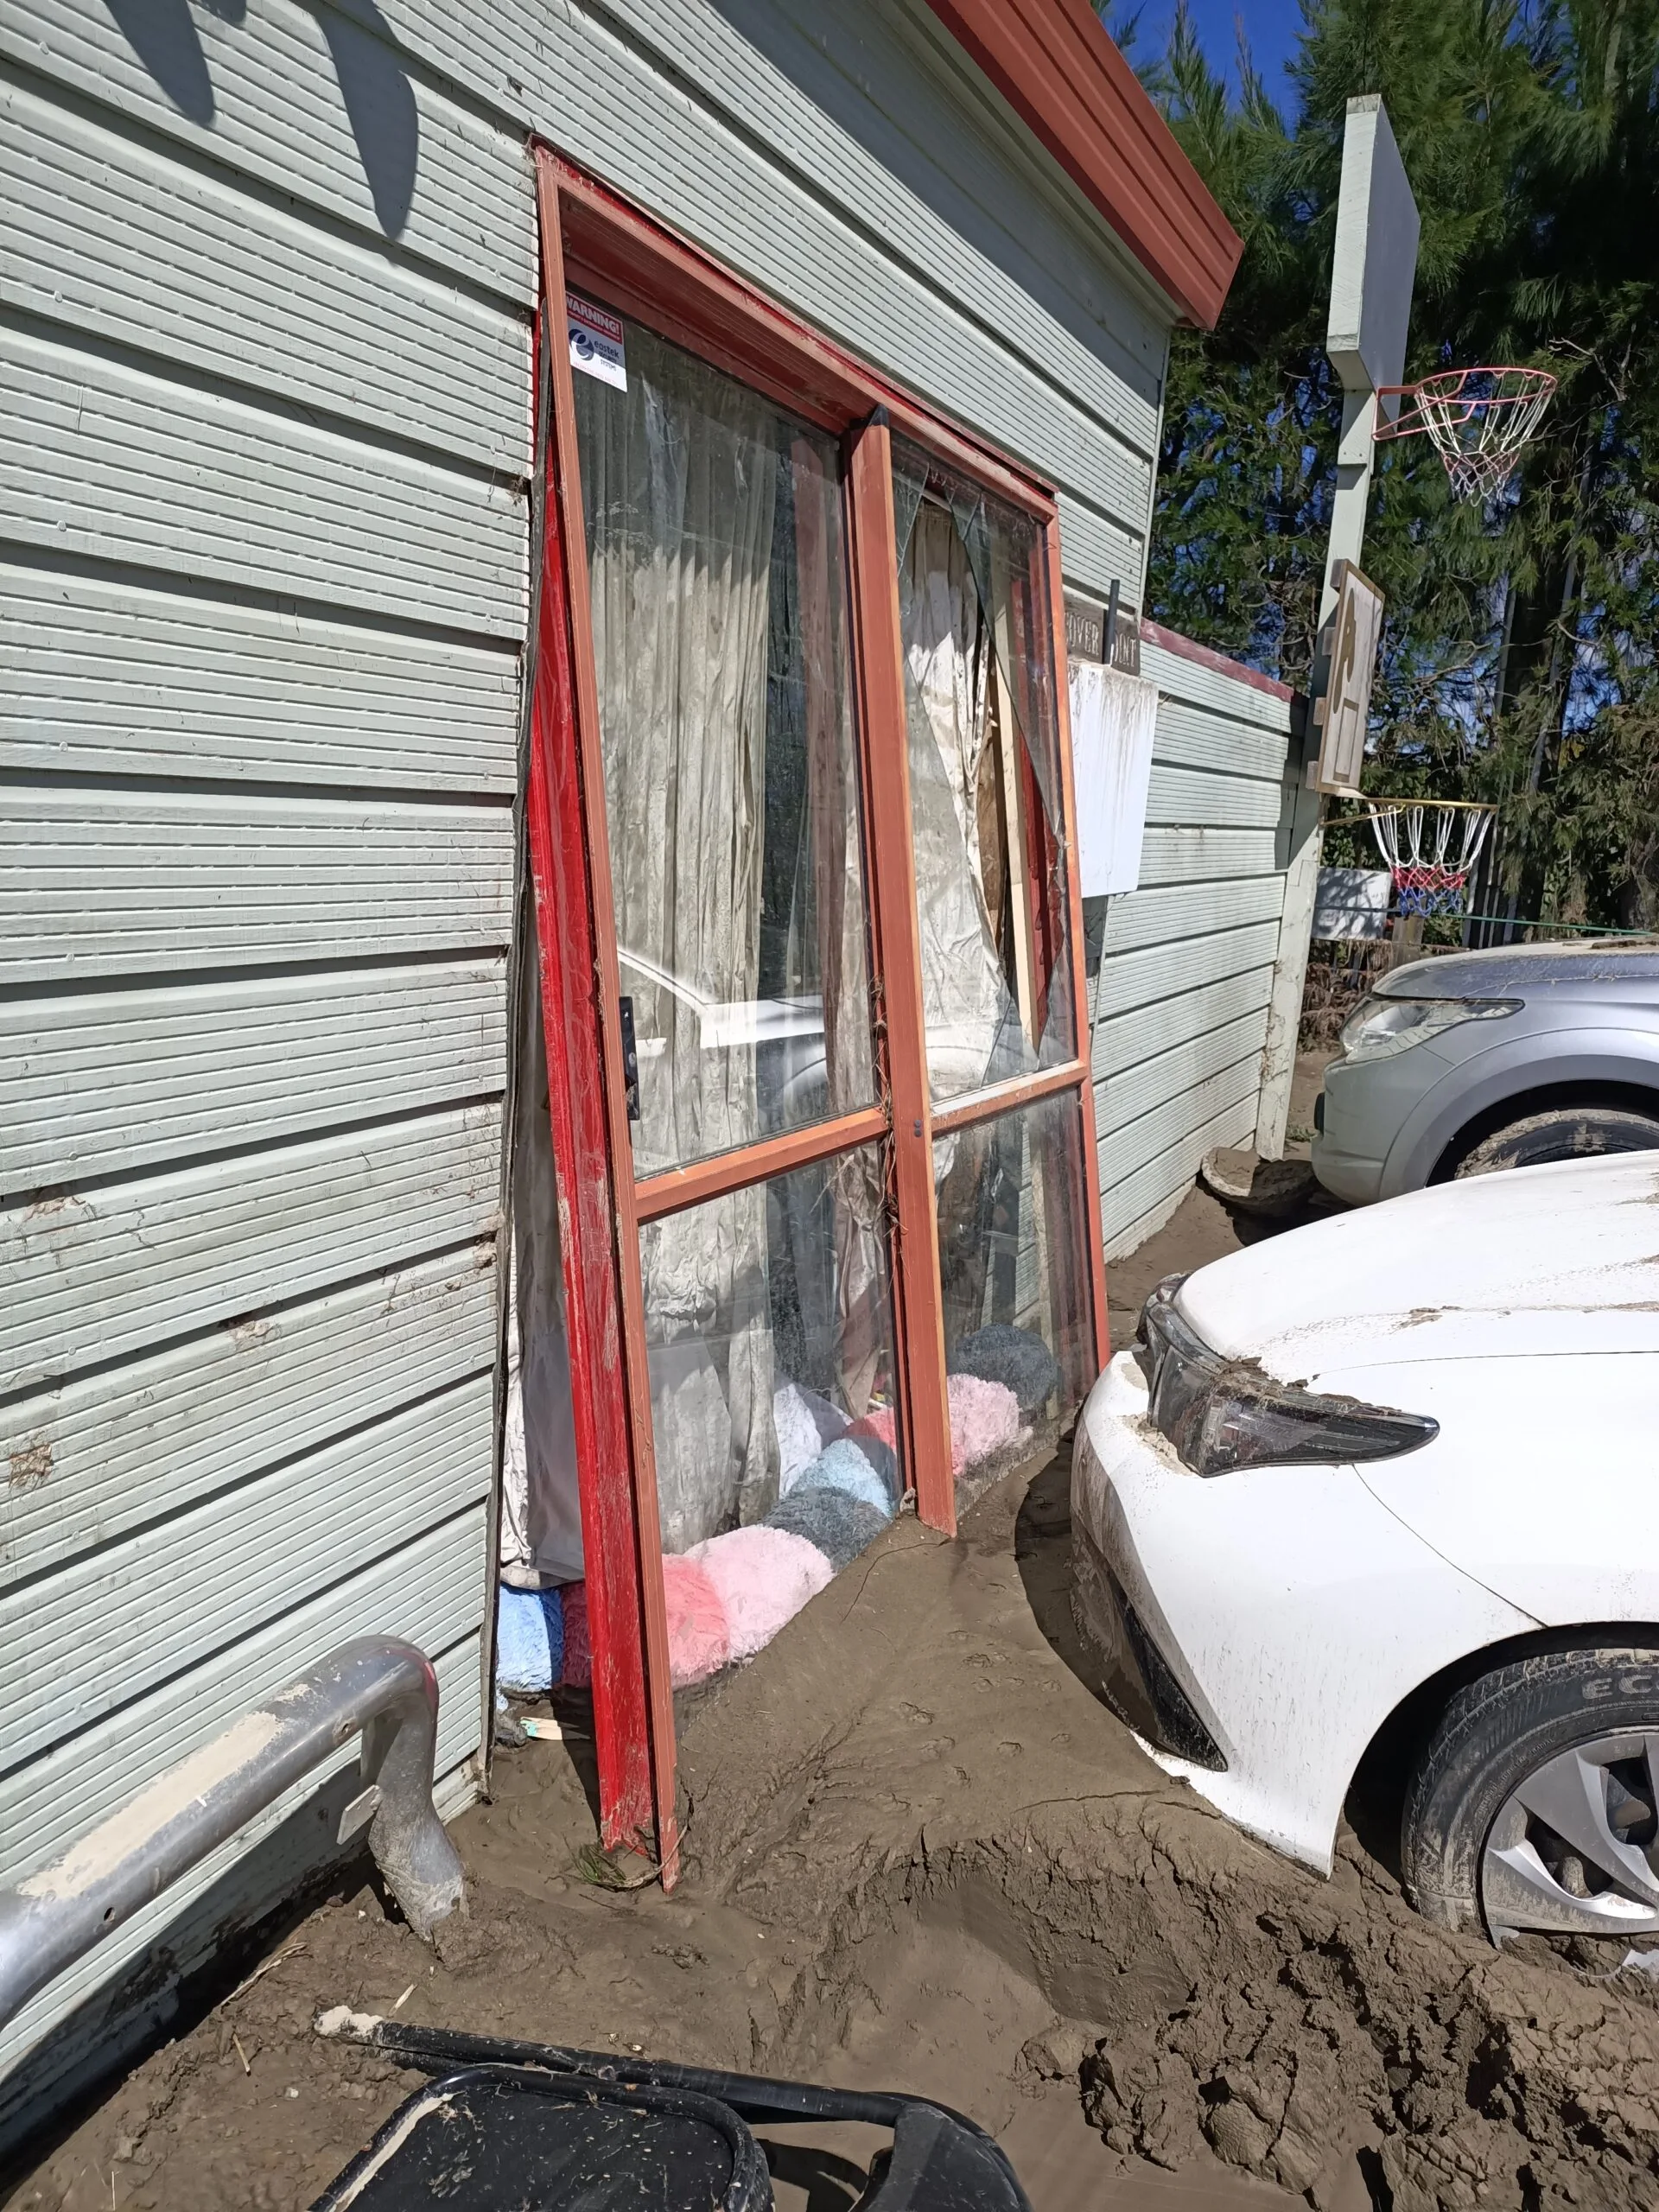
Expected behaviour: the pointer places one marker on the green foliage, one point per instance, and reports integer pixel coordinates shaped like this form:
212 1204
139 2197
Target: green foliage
1519 661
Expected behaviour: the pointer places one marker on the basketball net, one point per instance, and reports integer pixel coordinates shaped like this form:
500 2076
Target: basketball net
1431 847
1479 420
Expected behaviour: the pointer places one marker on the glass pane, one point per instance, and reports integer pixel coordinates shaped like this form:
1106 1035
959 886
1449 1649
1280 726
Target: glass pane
985 783
714 554
1014 1272
770 1331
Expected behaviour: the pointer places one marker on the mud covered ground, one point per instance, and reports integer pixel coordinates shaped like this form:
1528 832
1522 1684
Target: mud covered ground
922 1855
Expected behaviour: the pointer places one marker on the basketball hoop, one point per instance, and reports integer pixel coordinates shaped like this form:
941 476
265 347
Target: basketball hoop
1431 847
1480 420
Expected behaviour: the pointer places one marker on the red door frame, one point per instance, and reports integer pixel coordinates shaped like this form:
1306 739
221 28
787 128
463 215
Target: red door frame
594 241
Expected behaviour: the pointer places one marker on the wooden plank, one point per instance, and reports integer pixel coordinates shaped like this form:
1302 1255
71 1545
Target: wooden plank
1203 686
1098 554
1125 1041
1144 918
306 101
119 882
111 463
112 680
1140 978
103 1455
1129 1235
1153 1087
106 1082
94 1276
230 1890
104 235
102 1628
1183 796
1197 737
1170 1172
430 1589
1187 854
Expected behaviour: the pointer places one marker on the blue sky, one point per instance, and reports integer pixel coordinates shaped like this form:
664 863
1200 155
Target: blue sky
1271 26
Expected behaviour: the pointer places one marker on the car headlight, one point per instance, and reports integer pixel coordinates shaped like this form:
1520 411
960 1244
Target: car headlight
1221 1413
1379 1025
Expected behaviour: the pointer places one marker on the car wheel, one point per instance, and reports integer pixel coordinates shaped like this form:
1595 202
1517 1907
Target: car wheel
1536 1803
1560 1133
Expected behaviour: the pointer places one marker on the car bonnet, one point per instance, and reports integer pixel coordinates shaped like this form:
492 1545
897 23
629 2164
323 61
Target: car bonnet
1538 1260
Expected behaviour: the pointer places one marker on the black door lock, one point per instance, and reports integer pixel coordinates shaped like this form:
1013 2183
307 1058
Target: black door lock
630 1059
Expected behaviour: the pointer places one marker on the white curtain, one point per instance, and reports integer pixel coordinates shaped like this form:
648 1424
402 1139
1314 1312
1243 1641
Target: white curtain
679 477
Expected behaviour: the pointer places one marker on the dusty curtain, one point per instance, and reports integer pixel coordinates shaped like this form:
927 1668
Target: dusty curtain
678 482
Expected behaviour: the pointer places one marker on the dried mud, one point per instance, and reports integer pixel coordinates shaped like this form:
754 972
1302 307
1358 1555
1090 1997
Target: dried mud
921 1853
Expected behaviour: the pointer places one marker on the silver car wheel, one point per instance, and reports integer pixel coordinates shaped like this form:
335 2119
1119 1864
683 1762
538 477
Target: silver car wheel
1574 1850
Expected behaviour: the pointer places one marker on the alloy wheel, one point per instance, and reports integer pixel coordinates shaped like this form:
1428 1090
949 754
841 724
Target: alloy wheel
1575 1848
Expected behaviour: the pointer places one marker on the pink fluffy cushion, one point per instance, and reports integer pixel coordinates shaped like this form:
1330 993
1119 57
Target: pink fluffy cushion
699 1641
883 1423
764 1577
578 1669
984 1420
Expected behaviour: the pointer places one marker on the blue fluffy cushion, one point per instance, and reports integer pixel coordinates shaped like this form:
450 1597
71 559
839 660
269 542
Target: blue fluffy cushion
529 1639
851 1464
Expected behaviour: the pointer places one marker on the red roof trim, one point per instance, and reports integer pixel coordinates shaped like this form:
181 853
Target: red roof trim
1172 641
1055 66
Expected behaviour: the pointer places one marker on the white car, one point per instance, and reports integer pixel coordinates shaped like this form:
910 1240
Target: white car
1403 1466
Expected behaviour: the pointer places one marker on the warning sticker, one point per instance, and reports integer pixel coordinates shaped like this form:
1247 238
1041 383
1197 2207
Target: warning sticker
595 342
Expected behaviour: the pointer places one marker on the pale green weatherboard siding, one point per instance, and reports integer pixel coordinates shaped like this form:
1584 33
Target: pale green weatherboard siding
263 586
1179 1004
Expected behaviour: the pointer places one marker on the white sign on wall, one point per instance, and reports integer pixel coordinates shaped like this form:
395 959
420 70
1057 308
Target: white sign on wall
1113 717
596 347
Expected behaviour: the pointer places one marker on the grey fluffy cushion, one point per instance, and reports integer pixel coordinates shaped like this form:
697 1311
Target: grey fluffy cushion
840 1525
1016 1357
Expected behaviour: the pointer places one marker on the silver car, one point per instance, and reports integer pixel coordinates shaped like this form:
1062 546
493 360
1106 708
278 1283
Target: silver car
1473 1061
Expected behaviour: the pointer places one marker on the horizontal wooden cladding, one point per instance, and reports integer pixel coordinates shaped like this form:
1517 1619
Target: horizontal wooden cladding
244 1558
1205 685
1148 1188
1126 1040
600 99
122 882
1141 978
45 1805
110 463
105 1081
1140 919
1097 553
105 1454
98 1276
1156 1086
315 106
1186 796
107 679
1174 853
107 235
692 1186
1201 737
1052 61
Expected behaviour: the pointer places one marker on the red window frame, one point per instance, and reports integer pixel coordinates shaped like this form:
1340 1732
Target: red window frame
594 241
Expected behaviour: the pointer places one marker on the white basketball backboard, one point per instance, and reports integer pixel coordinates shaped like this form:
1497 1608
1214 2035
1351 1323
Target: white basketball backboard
1376 259
1343 710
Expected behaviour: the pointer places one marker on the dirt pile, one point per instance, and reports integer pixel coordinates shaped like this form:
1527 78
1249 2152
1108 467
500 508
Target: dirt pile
921 1855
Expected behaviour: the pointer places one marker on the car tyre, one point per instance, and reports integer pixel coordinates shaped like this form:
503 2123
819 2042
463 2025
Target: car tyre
1511 1734
1560 1133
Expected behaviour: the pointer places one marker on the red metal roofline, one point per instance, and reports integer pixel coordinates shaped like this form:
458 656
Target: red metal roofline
1055 64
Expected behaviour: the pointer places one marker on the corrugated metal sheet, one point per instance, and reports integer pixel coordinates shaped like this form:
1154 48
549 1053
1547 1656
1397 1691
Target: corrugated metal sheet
1180 1001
